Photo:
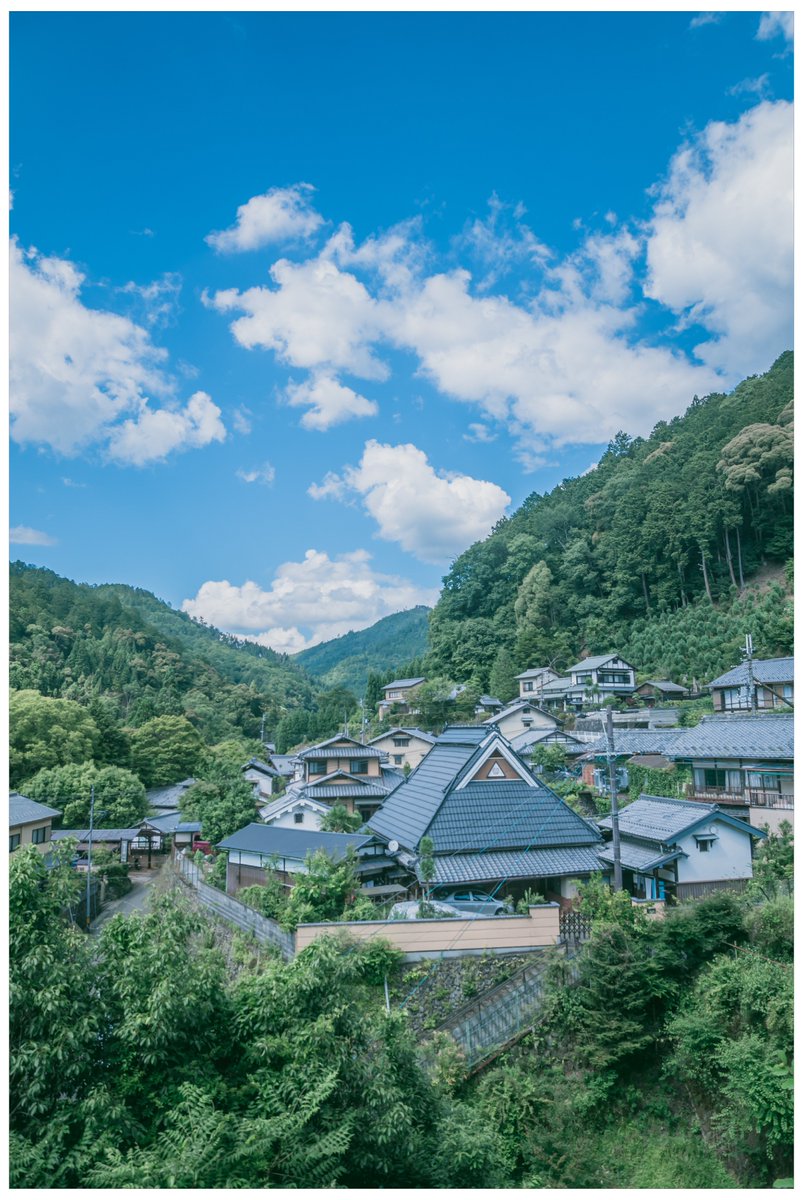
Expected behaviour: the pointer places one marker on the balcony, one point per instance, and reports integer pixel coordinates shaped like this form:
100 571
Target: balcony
749 797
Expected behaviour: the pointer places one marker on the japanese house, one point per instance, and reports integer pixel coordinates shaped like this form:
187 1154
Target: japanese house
773 686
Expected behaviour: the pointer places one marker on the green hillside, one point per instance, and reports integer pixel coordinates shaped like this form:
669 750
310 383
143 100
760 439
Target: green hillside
347 661
653 552
144 659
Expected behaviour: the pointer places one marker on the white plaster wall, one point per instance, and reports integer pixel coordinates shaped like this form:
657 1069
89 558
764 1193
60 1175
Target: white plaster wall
513 724
286 820
729 857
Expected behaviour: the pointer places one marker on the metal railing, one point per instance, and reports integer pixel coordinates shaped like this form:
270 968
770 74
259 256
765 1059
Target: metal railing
754 797
262 928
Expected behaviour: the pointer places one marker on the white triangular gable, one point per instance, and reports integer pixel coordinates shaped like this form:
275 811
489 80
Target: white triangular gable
499 748
496 772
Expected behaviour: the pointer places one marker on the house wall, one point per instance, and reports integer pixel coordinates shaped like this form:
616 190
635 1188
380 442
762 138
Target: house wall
410 755
437 938
25 833
771 818
342 762
512 725
286 820
730 857
263 783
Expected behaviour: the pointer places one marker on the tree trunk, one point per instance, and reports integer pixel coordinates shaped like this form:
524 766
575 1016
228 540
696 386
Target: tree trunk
729 557
683 600
705 576
644 589
739 558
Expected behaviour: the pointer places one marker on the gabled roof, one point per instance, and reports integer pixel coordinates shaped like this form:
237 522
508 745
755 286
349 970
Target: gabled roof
168 797
407 730
98 835
765 670
256 764
172 823
663 820
284 763
350 746
290 800
637 857
557 686
516 706
636 741
663 685
515 864
532 737
535 673
404 683
292 843
477 815
763 738
598 660
23 811
490 702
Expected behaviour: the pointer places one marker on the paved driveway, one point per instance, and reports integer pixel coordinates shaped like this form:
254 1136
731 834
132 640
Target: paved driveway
134 901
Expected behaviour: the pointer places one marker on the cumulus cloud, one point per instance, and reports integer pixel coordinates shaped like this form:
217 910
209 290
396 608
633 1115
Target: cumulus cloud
719 252
774 24
705 18
264 474
157 301
433 514
76 372
330 403
477 432
23 535
573 355
280 215
307 602
155 433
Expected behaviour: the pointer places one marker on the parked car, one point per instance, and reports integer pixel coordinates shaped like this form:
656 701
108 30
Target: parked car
471 901
407 910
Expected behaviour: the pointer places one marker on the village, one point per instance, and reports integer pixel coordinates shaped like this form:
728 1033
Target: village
476 837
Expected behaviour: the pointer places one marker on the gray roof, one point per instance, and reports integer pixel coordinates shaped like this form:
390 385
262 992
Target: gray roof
765 670
256 764
663 820
636 741
514 707
638 857
292 843
404 683
98 835
534 673
481 815
531 737
284 763
353 749
515 864
763 738
598 660
168 797
171 823
287 801
407 731
490 702
563 684
664 685
22 810
339 791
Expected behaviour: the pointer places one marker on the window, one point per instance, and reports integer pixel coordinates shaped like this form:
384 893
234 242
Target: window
398 759
358 766
298 818
401 741
13 841
317 766
38 836
528 687
704 844
714 777
614 677
584 678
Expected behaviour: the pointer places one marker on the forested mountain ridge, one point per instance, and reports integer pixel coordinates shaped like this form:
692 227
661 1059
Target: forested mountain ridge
662 528
143 658
347 661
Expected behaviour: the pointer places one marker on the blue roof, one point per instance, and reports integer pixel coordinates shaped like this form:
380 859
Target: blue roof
765 670
516 864
759 738
168 797
482 814
663 820
22 810
638 857
291 843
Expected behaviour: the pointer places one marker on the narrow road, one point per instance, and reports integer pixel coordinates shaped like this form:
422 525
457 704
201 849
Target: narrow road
134 901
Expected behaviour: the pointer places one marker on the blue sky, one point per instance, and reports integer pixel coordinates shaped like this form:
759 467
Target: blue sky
302 304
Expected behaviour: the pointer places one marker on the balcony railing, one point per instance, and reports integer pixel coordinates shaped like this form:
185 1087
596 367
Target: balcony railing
753 797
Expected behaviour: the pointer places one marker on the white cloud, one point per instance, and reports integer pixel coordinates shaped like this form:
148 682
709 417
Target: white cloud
71 483
23 535
308 602
317 316
705 18
500 242
774 23
434 515
330 403
264 474
76 372
158 301
720 248
758 86
280 215
241 419
154 433
477 432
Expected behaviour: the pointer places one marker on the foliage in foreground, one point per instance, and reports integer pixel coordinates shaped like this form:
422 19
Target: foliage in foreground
138 1060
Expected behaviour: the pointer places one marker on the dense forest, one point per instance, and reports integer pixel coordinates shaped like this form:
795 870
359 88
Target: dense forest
166 1052
347 661
651 552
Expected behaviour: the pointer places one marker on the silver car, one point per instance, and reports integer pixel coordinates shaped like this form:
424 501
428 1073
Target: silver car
472 901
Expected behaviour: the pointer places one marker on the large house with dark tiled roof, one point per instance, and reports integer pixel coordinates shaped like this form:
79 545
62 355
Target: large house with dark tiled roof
492 822
773 686
343 771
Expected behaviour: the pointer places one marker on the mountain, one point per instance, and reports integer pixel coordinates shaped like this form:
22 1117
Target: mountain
653 551
346 661
145 659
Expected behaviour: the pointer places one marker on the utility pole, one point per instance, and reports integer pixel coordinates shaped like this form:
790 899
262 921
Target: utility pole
362 720
617 852
748 657
262 730
89 855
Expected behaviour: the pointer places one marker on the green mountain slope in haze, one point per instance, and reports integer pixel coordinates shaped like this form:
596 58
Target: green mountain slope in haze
347 661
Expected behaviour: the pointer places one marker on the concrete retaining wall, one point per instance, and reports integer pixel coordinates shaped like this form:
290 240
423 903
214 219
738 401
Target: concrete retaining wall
451 937
262 928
